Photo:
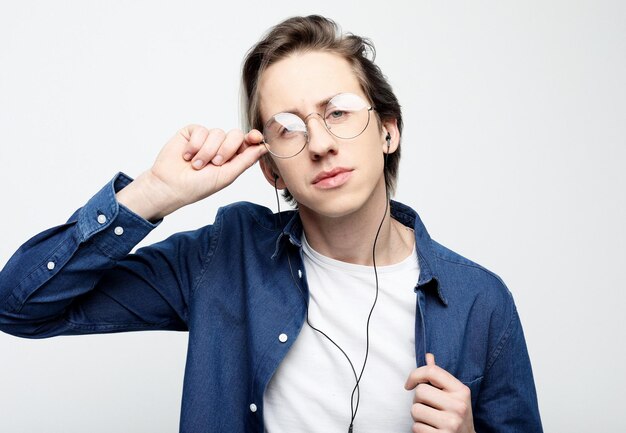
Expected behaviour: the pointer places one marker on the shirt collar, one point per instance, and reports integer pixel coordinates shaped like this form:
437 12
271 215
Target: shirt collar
428 278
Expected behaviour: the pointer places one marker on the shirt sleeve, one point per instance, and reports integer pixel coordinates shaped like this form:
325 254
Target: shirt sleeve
507 402
79 278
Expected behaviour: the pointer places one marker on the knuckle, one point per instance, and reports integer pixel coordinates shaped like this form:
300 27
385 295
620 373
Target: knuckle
187 129
197 137
420 390
232 142
453 423
194 145
466 393
183 132
202 130
421 428
217 133
463 408
457 423
236 134
416 409
458 408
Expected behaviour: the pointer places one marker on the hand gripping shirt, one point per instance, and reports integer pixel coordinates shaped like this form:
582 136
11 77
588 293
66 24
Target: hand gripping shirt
229 285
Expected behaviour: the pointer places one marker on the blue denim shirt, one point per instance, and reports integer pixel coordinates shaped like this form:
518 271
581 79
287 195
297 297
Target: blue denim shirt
230 286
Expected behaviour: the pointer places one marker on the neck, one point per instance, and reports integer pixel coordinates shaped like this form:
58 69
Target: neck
350 238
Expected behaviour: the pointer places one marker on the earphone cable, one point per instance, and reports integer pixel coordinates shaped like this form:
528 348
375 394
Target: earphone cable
353 408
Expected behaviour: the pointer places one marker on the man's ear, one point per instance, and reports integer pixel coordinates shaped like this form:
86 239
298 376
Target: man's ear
390 127
271 172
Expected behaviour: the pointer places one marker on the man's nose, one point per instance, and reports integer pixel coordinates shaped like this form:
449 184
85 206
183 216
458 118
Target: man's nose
321 141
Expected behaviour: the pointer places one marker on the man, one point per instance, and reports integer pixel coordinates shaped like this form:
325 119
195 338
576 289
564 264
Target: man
327 318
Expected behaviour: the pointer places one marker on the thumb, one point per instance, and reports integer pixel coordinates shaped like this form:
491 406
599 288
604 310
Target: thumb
420 375
240 163
253 137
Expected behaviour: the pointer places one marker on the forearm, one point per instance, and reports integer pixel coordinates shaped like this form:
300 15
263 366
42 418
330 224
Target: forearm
59 273
55 267
507 401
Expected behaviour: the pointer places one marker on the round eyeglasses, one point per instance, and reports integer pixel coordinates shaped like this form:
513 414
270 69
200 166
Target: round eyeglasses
346 116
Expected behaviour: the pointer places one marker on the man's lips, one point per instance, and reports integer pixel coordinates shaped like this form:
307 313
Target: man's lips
333 178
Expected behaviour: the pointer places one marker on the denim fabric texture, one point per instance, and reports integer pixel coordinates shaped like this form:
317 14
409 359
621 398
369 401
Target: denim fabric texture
230 286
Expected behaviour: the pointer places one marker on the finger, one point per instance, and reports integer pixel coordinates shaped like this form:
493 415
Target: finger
434 375
432 396
424 414
230 146
209 148
419 427
195 136
253 137
241 162
424 394
437 419
430 360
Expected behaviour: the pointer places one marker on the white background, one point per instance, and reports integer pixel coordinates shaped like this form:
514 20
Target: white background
513 153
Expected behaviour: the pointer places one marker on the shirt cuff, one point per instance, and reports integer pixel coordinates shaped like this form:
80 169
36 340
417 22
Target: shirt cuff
111 226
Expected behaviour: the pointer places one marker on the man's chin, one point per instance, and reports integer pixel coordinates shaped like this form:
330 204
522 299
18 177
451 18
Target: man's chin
332 208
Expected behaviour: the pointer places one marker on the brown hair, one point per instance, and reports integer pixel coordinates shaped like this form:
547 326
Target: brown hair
311 33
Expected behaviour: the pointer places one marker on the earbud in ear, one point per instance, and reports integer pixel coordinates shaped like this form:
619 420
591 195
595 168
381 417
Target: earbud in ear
388 137
275 176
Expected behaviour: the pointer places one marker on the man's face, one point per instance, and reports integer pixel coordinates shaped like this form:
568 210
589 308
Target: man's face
302 83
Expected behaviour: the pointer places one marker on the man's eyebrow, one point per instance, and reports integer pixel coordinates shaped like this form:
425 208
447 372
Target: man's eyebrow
320 104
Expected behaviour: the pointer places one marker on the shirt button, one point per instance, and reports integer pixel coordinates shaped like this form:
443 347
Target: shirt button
300 273
102 219
253 407
118 230
51 265
282 338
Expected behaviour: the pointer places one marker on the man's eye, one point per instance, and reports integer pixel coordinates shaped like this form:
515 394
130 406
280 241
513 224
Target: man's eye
287 131
337 115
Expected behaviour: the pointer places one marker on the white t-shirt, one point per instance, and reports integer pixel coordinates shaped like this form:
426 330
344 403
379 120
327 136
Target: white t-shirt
310 391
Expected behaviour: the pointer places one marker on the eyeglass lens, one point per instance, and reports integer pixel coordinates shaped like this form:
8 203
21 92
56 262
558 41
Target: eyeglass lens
346 116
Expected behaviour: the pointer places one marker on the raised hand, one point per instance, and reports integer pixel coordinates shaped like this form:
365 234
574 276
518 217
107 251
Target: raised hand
194 164
441 402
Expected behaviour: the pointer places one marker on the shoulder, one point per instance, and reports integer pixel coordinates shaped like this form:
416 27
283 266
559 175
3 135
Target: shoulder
239 220
244 213
454 265
458 278
469 284
479 299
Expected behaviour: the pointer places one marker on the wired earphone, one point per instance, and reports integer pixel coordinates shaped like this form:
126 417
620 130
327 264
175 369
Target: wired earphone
353 408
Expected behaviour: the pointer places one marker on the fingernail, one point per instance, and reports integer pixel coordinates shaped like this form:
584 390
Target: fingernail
198 163
217 160
187 156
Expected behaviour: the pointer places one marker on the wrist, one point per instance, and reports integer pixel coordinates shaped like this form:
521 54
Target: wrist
149 197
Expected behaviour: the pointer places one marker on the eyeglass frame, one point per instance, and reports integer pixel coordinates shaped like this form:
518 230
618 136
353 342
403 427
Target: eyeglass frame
370 108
